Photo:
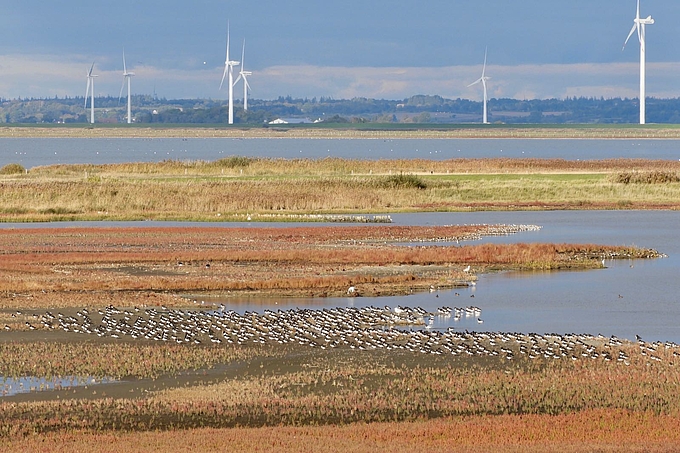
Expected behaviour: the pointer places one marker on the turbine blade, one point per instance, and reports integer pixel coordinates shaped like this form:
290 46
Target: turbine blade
243 53
632 30
246 82
475 82
240 76
637 15
121 90
226 68
484 67
227 42
90 71
124 66
87 91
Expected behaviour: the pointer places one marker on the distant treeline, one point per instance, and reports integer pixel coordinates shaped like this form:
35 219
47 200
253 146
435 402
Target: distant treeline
416 109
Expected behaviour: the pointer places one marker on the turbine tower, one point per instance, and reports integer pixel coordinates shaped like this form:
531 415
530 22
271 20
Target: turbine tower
483 80
126 77
243 74
90 91
640 25
229 68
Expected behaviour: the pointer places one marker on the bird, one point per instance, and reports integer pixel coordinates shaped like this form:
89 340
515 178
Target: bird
351 290
467 269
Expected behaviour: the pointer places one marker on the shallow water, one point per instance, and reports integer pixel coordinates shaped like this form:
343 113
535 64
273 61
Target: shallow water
625 299
31 384
628 298
32 152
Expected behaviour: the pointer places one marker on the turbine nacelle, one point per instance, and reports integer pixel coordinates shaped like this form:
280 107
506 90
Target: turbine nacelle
638 24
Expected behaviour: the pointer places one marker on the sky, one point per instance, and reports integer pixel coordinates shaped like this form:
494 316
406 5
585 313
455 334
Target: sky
381 49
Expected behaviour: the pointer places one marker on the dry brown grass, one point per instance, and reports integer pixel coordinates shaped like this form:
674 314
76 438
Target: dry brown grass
598 430
242 166
446 402
235 188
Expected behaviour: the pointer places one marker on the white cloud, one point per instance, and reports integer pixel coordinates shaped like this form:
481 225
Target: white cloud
47 76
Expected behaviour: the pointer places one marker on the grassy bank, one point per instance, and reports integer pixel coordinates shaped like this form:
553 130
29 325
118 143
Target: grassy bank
235 187
368 130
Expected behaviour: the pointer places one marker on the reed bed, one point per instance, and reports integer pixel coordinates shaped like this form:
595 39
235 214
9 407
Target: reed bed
238 186
251 166
232 200
583 431
342 388
646 177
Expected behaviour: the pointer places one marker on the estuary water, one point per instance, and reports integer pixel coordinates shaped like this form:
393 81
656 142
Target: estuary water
627 298
32 152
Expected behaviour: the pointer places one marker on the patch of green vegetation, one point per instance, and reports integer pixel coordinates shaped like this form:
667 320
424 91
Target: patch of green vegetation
13 210
58 211
12 169
234 162
646 177
401 181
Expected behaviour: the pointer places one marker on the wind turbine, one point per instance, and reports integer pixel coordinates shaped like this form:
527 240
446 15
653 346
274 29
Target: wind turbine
90 90
126 77
483 80
639 25
229 68
243 74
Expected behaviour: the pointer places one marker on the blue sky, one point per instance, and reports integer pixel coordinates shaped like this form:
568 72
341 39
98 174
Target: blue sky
304 48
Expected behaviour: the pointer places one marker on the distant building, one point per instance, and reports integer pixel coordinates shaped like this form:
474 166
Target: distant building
291 121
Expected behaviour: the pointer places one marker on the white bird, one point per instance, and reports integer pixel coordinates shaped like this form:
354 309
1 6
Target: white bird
351 290
467 269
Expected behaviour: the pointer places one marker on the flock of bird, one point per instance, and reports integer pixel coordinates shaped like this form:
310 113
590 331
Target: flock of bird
367 328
